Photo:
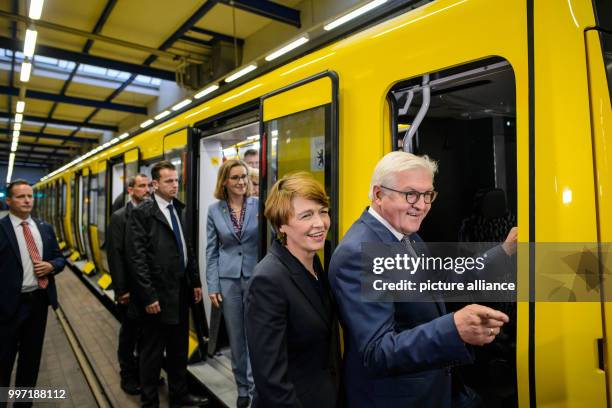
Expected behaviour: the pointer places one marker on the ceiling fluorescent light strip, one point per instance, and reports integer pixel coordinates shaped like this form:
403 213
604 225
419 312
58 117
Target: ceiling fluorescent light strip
30 43
36 7
18 117
289 47
241 73
162 115
181 104
206 91
26 70
146 123
353 14
19 108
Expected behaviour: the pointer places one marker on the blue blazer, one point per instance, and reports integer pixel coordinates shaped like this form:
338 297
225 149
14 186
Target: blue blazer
228 256
11 269
396 354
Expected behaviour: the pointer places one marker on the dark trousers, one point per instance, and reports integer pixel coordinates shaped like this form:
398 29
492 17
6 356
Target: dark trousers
23 335
173 338
129 333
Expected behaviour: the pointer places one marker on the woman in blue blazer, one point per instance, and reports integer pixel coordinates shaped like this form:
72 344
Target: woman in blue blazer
231 255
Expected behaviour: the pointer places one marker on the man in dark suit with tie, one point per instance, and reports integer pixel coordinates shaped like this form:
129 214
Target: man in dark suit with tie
166 279
401 354
29 259
138 191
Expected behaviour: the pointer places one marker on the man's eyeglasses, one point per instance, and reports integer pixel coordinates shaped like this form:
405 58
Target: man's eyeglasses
413 196
236 178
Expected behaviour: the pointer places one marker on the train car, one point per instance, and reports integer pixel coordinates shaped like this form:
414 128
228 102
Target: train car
510 96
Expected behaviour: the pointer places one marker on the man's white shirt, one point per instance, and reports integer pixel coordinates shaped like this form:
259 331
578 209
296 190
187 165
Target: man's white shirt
30 282
163 206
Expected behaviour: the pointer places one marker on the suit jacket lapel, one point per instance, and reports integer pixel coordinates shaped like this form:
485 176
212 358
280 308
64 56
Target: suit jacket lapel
225 214
10 233
386 236
421 248
298 276
157 212
251 209
43 236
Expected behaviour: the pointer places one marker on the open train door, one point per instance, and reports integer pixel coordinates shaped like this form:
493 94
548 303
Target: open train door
176 149
299 128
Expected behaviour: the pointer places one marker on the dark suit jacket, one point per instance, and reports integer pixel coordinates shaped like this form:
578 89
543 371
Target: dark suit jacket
154 259
117 259
292 335
11 269
396 354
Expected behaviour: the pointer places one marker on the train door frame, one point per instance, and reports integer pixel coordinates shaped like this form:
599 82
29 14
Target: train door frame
85 214
191 214
224 121
468 139
598 41
75 192
311 98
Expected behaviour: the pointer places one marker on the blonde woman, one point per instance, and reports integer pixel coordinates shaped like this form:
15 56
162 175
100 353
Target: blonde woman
231 254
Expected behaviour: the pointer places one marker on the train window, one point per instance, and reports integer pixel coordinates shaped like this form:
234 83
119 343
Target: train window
301 135
93 200
62 211
175 151
118 189
73 215
145 169
469 128
101 216
54 215
85 198
77 215
130 159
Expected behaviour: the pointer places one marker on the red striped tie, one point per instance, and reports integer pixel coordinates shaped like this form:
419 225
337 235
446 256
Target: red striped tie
33 251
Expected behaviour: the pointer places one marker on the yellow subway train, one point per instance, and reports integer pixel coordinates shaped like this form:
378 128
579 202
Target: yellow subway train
511 97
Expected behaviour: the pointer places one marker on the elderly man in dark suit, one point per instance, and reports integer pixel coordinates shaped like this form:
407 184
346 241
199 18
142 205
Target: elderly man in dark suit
401 354
29 259
138 191
166 279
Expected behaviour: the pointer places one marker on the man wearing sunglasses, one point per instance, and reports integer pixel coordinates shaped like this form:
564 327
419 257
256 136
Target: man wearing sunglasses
401 354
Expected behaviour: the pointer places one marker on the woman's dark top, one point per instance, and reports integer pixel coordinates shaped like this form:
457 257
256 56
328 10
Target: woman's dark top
292 332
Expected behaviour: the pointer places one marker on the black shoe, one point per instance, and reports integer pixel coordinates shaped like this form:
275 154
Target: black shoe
243 402
190 400
130 387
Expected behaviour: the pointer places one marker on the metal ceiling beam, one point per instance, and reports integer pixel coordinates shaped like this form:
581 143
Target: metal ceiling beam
39 165
80 57
53 136
217 36
74 100
186 26
66 149
65 122
268 9
197 41
21 152
5 155
108 8
93 36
